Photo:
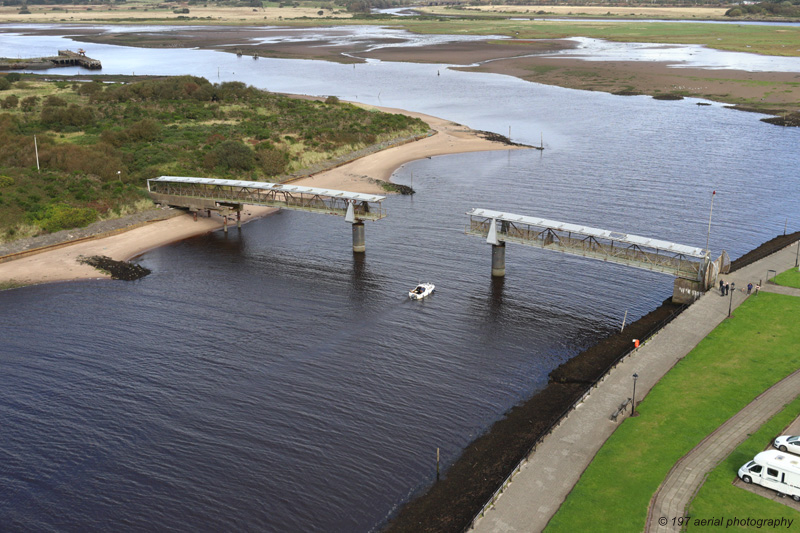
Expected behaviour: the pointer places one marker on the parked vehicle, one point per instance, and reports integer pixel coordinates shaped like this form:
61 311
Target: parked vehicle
775 470
788 443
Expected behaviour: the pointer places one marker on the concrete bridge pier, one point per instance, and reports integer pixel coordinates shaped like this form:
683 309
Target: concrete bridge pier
225 223
359 242
499 259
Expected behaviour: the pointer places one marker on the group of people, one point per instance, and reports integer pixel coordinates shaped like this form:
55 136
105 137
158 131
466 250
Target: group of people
724 288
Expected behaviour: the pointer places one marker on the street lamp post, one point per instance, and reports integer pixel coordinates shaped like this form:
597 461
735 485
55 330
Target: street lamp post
730 303
797 257
633 400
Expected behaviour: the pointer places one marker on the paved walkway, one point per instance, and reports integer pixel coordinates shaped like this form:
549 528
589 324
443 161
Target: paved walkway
542 484
688 474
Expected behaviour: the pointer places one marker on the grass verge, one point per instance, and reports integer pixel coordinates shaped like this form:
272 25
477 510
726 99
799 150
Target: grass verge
790 278
719 498
741 358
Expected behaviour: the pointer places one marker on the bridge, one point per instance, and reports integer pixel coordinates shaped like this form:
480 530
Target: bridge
691 265
229 196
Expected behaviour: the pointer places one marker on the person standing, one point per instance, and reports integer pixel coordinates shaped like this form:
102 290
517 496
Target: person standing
721 288
749 287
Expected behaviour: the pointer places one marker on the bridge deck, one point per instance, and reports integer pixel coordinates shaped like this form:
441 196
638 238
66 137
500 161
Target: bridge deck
176 190
631 250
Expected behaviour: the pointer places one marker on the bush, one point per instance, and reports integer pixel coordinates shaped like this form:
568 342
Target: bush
230 155
29 102
332 100
13 76
10 102
272 161
59 217
6 181
4 84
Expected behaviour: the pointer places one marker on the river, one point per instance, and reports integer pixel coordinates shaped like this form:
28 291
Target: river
271 380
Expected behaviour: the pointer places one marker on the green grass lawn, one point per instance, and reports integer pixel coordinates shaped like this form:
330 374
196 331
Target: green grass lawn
736 362
790 278
719 498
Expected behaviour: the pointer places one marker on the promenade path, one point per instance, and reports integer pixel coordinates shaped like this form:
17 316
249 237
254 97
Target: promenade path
545 480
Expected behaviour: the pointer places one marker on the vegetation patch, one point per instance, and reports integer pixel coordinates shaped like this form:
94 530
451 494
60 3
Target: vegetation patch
72 151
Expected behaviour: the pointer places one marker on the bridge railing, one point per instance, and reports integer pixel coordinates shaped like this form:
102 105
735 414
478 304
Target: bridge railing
590 246
296 198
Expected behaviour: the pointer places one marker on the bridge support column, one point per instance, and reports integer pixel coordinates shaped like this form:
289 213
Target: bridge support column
499 259
225 223
359 242
239 218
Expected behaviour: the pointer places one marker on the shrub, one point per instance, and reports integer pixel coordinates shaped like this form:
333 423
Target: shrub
332 100
60 216
6 181
54 101
29 102
230 155
272 161
13 76
10 102
4 84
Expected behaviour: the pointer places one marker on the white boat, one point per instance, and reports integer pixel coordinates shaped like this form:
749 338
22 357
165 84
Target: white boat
421 291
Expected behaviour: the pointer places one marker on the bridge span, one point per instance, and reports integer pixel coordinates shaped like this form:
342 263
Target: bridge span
690 264
229 197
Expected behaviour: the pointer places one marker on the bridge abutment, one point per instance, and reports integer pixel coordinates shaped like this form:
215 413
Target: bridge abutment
499 259
359 241
686 291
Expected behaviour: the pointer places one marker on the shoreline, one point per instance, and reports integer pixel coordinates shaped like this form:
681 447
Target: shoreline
59 262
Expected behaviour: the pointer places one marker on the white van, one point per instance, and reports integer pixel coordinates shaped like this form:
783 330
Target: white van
775 470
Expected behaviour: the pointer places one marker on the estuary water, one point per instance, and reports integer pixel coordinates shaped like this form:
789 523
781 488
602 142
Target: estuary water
271 380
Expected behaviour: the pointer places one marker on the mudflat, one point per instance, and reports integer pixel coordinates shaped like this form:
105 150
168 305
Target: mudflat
533 60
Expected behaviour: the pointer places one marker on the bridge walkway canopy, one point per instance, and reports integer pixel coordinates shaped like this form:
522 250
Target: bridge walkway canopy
632 250
179 190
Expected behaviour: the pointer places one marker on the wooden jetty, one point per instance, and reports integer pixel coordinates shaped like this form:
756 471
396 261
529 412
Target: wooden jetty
65 58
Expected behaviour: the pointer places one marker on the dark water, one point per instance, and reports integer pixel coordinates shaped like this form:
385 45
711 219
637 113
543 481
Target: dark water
270 380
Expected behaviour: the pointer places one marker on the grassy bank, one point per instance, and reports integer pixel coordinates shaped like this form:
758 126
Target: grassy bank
790 278
741 358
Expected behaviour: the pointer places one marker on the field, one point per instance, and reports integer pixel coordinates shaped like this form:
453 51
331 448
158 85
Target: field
671 12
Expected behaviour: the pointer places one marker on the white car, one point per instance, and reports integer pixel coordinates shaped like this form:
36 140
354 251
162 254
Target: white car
788 443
